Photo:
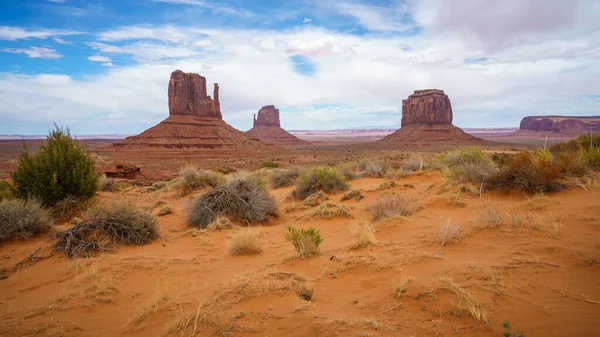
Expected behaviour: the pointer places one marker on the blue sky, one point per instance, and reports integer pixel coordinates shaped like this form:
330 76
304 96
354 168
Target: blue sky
102 66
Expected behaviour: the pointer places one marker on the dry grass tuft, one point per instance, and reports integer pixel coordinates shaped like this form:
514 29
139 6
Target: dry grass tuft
354 194
467 301
329 210
541 201
388 207
315 199
191 178
246 241
165 211
448 233
363 236
387 184
219 223
402 287
491 215
306 291
373 168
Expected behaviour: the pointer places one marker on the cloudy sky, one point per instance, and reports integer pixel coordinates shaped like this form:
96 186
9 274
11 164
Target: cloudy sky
102 66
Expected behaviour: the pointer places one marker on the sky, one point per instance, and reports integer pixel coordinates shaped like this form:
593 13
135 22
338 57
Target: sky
103 66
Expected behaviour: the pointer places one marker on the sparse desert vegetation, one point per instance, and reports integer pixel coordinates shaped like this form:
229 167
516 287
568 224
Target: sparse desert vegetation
424 234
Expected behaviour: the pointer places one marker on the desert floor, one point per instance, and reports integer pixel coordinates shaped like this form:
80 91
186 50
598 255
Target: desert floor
535 266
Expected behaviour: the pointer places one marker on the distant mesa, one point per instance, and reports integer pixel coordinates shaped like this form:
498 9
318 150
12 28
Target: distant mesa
427 120
268 129
558 126
195 122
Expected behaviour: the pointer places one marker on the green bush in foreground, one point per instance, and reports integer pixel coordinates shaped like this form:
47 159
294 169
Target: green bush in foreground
319 179
468 165
305 241
61 168
20 219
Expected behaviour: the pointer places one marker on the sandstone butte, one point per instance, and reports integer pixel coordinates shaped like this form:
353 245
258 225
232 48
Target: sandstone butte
195 122
567 126
268 129
427 120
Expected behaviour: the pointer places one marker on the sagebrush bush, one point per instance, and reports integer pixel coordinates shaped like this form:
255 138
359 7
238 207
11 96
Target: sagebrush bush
412 166
247 241
5 190
269 164
21 219
327 179
305 241
373 168
315 199
105 227
107 184
387 207
60 169
468 165
330 210
534 171
284 178
191 178
242 198
69 207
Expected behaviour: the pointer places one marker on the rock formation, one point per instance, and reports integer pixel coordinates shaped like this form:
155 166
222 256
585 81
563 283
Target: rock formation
426 121
559 125
426 107
187 96
268 128
194 122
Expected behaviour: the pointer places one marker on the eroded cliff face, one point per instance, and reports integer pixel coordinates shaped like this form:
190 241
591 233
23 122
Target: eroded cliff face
430 106
188 96
268 115
561 124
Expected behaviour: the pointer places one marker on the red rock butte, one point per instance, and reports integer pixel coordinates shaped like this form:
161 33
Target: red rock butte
559 125
427 120
268 129
195 122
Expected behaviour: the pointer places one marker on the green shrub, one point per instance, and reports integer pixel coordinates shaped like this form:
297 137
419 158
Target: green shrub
61 168
20 219
373 168
468 165
6 190
305 241
319 179
242 197
105 227
269 164
534 171
284 178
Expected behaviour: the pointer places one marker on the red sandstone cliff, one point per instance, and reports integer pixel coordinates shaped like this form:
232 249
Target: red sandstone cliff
267 128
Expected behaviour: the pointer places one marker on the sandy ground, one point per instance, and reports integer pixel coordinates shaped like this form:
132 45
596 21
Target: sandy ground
538 270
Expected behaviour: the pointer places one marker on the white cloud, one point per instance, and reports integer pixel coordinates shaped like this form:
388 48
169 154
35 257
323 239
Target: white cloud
99 58
58 1
17 33
60 41
34 52
359 78
307 20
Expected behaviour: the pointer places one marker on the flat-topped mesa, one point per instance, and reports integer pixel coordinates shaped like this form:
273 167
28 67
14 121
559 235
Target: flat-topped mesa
268 115
561 124
188 96
429 106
